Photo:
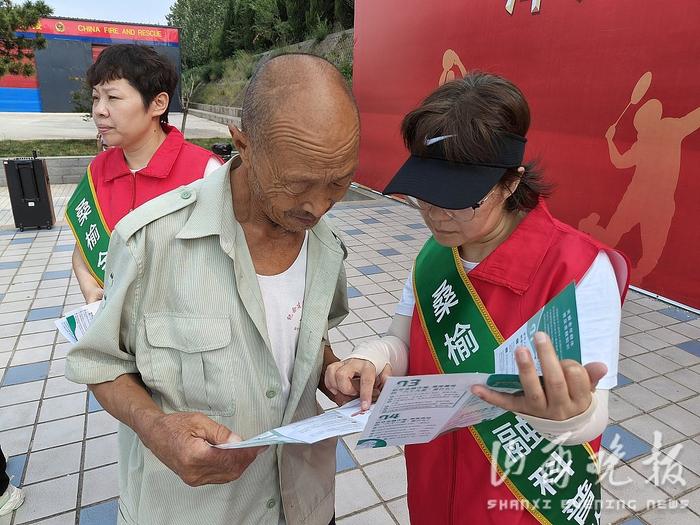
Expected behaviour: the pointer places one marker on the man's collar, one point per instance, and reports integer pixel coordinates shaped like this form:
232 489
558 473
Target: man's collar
213 212
161 162
213 206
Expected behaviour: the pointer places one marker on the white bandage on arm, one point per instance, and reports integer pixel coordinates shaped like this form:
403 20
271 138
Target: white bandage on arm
391 349
576 430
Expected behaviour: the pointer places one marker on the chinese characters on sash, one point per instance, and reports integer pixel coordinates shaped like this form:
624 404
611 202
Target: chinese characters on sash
83 211
461 343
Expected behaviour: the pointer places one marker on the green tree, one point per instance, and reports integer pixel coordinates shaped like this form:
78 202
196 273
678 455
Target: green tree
296 16
16 52
319 10
269 28
190 82
240 32
199 20
344 13
228 40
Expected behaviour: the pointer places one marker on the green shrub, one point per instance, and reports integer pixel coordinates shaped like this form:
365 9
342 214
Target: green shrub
320 29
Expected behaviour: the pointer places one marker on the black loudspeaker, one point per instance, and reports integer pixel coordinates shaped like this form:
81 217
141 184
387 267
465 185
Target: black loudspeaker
30 193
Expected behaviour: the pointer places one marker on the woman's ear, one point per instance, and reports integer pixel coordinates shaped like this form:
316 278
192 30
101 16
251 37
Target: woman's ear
160 103
513 185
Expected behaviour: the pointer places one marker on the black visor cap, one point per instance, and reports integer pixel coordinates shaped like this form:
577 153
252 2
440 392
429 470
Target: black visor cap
454 185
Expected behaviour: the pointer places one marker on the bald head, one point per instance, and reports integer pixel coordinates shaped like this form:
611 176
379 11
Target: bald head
304 87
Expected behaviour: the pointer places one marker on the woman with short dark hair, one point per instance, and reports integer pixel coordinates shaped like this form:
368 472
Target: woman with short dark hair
132 86
495 258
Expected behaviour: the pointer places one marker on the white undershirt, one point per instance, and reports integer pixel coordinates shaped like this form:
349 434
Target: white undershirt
283 298
599 312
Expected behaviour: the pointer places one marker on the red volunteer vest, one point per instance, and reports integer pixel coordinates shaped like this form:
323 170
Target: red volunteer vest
449 479
174 164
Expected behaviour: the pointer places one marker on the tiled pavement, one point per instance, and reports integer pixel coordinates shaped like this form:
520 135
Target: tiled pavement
61 444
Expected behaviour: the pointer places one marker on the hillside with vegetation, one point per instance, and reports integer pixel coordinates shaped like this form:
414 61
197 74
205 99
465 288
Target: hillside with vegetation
223 40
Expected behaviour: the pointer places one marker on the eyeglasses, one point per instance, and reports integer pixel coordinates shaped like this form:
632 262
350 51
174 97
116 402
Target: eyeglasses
463 215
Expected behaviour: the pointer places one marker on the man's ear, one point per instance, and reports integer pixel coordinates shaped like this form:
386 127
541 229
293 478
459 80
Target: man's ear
159 104
241 142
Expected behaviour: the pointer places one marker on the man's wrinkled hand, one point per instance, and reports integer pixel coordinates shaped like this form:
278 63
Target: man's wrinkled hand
182 442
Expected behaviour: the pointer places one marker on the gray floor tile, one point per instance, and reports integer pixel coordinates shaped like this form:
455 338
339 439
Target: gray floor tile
16 441
640 397
53 462
31 355
679 356
101 451
380 326
369 314
679 419
18 415
399 509
64 519
58 367
11 330
687 329
61 432
668 388
16 306
63 406
375 516
635 370
48 498
7 344
670 516
59 386
389 487
36 339
638 492
669 336
645 425
11 395
663 473
613 509
101 423
100 484
647 341
640 323
61 349
353 492
657 363
355 330
692 405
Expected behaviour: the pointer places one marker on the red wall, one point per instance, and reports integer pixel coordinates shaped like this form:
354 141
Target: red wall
577 61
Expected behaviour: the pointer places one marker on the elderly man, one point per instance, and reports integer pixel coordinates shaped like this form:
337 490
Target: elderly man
218 299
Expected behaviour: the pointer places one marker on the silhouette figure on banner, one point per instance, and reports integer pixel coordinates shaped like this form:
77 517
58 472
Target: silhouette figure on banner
650 197
450 60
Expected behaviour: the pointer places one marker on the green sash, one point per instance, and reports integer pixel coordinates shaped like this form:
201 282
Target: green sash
89 227
557 484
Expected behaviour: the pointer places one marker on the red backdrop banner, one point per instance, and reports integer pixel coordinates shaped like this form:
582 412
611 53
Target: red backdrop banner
632 183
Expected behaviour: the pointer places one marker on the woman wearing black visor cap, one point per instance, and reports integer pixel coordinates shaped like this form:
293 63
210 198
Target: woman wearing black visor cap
495 258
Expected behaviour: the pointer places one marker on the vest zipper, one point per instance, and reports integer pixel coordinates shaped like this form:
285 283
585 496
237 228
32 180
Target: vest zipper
133 192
